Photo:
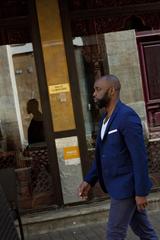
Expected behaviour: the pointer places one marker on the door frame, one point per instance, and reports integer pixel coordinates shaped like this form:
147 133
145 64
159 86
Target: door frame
45 103
74 85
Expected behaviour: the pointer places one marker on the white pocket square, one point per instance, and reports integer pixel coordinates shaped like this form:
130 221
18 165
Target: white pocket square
113 131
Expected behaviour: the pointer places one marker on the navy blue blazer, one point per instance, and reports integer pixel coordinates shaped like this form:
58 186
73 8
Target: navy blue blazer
120 158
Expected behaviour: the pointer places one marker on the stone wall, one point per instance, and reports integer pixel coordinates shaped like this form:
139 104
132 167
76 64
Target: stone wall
123 62
8 112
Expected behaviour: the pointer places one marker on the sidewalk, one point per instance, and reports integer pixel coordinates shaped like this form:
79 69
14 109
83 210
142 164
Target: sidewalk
93 231
81 222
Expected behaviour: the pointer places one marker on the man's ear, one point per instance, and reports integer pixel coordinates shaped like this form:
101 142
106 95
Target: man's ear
112 91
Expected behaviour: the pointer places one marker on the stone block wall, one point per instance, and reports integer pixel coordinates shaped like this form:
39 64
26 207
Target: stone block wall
123 62
8 112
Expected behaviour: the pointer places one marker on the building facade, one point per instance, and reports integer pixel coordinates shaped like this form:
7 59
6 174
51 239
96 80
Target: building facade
51 54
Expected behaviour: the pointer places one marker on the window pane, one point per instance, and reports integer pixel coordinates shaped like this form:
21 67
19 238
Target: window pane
22 140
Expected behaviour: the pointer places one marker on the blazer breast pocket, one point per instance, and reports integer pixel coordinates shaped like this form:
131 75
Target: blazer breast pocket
113 137
113 131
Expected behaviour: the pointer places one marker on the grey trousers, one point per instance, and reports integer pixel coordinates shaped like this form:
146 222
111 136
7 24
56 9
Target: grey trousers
124 213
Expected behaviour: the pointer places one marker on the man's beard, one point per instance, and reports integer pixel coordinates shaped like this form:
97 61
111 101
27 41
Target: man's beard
104 101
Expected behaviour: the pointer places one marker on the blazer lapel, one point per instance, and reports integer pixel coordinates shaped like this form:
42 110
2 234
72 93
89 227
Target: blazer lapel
112 117
100 127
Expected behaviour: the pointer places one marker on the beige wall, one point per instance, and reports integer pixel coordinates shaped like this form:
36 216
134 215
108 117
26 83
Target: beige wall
124 62
8 111
27 85
24 84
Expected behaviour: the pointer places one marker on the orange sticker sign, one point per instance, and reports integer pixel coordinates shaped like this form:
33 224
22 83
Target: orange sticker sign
71 153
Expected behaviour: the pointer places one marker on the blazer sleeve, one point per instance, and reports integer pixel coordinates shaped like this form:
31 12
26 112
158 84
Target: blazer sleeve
133 136
92 176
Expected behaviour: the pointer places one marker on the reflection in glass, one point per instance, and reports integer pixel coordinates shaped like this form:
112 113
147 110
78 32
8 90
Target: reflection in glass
22 141
35 129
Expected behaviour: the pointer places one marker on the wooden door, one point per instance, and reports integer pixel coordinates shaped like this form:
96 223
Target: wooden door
149 54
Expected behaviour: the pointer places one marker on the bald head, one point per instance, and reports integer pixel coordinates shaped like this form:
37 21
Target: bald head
106 91
113 81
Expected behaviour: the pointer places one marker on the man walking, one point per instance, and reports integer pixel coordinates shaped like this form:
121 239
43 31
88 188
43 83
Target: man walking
120 164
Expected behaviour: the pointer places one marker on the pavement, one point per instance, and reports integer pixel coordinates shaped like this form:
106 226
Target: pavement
93 231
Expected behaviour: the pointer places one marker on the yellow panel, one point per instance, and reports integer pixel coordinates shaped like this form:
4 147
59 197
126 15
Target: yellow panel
62 113
55 65
49 20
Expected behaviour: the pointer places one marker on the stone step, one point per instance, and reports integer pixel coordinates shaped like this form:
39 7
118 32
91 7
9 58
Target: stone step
73 216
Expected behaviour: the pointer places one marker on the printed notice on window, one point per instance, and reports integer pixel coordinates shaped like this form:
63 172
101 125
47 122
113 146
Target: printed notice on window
59 88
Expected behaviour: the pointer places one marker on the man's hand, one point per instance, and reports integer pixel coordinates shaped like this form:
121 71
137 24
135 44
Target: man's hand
84 189
141 202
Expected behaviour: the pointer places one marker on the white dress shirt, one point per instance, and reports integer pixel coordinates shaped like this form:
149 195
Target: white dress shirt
103 129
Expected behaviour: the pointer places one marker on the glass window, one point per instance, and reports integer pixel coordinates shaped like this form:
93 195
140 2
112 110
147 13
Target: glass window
22 138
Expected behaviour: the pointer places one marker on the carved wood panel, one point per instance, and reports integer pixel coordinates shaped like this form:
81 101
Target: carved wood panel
75 5
13 8
81 27
15 35
21 35
14 22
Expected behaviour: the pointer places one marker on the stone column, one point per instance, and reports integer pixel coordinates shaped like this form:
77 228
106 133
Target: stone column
123 62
